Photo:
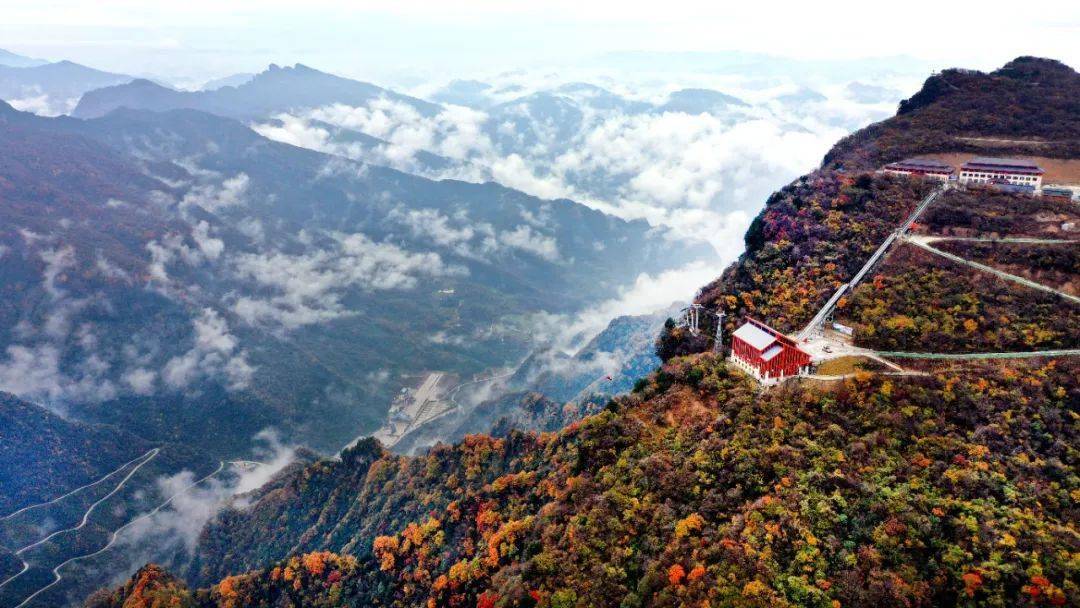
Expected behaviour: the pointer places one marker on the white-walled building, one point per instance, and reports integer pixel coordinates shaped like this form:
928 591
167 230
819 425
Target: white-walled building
1001 171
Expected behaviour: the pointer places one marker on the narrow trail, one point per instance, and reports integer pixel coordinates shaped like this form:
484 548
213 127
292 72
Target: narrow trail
922 243
57 577
78 489
85 518
1023 240
832 377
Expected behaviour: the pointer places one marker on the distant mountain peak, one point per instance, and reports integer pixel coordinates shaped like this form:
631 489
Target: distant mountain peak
144 82
14 60
1027 70
1034 68
277 89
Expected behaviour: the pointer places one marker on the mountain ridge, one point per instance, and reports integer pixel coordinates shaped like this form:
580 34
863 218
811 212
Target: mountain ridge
276 89
946 488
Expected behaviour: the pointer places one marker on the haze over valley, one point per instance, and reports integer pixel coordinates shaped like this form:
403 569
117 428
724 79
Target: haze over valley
301 316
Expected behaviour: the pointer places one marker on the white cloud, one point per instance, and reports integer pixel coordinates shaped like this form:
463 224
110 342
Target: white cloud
189 502
216 197
34 372
34 100
173 247
647 294
215 353
474 239
57 261
523 237
210 247
140 380
694 174
110 270
309 286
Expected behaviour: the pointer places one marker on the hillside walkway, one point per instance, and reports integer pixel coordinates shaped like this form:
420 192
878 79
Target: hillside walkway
1065 352
924 243
1023 240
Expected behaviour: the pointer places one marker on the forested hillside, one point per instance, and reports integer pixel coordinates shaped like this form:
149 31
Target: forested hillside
914 492
815 233
1029 106
958 486
44 455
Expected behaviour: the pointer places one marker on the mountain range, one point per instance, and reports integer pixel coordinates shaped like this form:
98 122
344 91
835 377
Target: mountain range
952 483
15 60
278 89
284 276
51 88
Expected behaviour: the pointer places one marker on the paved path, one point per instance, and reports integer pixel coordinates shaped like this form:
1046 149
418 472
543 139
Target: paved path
831 377
920 241
1065 352
985 239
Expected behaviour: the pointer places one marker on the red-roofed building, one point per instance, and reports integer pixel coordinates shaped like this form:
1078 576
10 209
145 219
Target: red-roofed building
923 167
767 354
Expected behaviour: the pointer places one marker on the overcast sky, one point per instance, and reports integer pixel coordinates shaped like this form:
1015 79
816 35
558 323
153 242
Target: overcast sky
376 38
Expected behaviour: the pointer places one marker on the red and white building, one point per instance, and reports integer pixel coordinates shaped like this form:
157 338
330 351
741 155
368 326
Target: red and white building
931 169
767 354
1001 171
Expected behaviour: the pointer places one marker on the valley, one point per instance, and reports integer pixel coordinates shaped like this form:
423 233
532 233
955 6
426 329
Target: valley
545 320
947 482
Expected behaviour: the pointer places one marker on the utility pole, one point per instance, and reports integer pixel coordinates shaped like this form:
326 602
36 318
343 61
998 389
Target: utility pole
695 317
718 343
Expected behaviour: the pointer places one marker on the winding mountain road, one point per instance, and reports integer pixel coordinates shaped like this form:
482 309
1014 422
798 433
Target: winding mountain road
85 518
57 576
78 489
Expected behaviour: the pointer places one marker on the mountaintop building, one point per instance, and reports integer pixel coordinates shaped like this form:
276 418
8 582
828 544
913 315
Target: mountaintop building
767 354
932 169
1017 172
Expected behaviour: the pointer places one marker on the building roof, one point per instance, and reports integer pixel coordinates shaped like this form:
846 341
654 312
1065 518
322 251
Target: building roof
754 336
920 164
1002 164
773 350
